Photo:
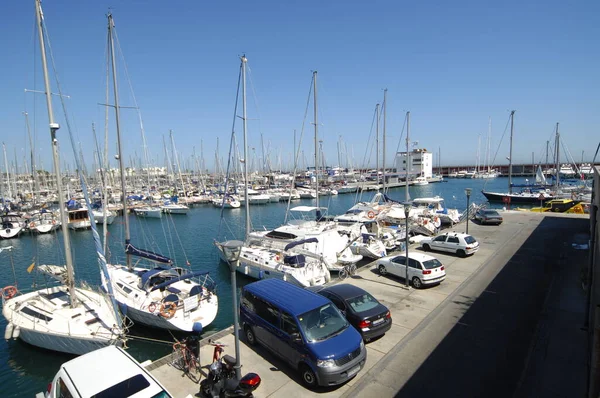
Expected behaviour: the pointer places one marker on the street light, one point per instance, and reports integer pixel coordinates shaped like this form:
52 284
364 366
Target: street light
468 193
407 207
232 250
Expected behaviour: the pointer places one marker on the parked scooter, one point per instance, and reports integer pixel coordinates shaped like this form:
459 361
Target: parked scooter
221 379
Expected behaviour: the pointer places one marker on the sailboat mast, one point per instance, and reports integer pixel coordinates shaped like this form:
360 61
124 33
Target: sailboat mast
377 143
407 152
119 145
55 158
316 143
384 117
557 167
244 123
510 156
36 186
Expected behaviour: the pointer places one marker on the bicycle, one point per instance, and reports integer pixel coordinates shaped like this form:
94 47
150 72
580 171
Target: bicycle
186 358
348 270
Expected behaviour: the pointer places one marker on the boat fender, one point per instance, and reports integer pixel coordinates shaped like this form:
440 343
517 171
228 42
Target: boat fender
152 307
32 225
8 331
261 274
53 222
16 332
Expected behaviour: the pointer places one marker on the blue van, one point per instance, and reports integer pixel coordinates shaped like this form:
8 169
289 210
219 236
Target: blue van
303 328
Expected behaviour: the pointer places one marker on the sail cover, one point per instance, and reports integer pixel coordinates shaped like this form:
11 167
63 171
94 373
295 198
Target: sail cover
300 242
131 249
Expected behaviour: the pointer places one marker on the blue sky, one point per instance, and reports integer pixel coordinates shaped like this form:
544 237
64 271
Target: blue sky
451 64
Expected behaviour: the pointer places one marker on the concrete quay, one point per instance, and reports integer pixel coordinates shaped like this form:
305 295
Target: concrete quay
507 321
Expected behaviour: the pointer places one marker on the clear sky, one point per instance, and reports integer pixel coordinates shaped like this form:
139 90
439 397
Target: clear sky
452 64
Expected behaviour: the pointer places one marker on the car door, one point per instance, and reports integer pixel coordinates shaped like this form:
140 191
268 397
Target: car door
398 267
414 269
452 244
266 329
439 243
290 345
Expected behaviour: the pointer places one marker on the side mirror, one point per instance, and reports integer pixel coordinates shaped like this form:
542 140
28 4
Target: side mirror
296 338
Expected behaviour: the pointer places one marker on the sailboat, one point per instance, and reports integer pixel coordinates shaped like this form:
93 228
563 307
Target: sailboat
526 195
160 295
64 318
266 258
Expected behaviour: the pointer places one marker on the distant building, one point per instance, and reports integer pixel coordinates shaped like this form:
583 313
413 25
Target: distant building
421 163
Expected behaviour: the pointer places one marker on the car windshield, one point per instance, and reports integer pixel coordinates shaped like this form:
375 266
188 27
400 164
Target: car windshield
362 303
431 264
469 239
322 323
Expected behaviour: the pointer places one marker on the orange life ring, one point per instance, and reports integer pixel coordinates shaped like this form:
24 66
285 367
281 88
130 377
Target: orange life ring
435 219
425 221
152 306
9 292
53 222
277 258
168 309
371 214
32 225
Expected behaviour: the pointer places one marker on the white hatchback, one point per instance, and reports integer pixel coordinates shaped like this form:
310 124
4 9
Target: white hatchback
452 242
423 269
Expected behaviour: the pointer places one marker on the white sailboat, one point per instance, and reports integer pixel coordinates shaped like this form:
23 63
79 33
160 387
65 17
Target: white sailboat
266 258
159 294
64 318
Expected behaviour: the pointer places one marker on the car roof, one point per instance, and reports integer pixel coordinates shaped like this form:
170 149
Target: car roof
458 234
489 211
416 256
98 370
345 290
289 297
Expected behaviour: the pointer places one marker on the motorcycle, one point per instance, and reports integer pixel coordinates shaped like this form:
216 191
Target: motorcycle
221 380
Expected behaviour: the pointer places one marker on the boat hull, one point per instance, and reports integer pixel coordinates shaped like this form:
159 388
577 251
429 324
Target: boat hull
515 198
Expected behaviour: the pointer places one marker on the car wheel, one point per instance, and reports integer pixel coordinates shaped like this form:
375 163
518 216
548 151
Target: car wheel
308 376
382 270
417 284
426 247
462 253
250 337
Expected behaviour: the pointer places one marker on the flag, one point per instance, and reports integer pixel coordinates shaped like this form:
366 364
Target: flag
31 267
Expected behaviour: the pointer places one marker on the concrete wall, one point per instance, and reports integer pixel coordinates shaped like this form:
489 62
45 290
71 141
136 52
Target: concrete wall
594 290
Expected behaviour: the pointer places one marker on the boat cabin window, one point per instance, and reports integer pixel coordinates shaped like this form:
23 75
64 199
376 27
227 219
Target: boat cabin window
280 235
35 314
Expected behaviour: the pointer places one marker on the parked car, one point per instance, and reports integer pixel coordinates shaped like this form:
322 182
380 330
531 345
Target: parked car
488 216
452 242
423 269
106 372
370 317
304 329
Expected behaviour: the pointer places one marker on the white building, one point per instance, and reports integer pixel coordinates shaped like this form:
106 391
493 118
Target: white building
421 163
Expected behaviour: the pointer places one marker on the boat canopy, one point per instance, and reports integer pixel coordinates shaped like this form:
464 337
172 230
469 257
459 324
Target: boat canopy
300 242
130 249
179 278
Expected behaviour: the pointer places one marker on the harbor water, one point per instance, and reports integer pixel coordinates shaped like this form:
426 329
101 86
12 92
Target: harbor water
25 370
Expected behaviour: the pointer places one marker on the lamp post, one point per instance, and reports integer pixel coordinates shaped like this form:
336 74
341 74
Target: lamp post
468 193
232 250
407 207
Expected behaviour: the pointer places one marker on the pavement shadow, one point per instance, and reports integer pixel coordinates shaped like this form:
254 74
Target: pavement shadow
487 353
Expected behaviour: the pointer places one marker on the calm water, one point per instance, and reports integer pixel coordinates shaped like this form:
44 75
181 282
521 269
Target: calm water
25 370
